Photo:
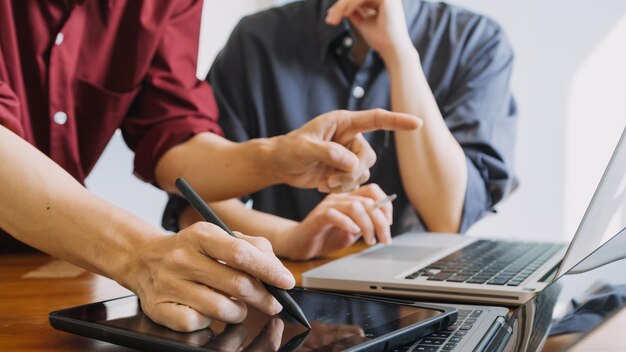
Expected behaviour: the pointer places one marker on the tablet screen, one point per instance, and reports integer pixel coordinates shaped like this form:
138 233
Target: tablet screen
338 322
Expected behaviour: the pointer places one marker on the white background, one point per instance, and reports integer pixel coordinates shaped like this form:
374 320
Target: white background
570 85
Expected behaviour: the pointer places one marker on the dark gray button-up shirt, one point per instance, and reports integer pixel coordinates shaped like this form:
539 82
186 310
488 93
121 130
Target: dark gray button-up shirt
284 66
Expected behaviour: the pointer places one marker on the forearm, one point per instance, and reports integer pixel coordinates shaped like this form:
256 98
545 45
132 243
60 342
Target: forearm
43 206
432 164
217 168
249 221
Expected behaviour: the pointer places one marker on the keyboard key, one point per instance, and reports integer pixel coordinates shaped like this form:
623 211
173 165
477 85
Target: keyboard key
455 339
449 347
477 280
425 348
440 277
432 341
451 328
465 327
497 281
460 333
440 334
476 313
458 278
470 321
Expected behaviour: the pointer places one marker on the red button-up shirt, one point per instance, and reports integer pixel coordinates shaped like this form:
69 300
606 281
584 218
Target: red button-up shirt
73 71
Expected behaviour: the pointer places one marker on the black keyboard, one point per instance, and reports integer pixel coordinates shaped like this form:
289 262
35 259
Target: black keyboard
490 262
446 339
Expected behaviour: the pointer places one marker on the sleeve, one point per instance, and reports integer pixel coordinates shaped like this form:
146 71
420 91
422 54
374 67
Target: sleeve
10 110
481 114
227 78
173 104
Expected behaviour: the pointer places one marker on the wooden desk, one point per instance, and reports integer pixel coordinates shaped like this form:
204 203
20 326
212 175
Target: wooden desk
26 302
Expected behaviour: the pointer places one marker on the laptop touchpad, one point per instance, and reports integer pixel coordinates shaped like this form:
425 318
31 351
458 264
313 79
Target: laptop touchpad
401 253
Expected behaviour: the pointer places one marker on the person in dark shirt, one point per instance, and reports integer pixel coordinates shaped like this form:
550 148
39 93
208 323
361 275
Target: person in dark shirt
442 63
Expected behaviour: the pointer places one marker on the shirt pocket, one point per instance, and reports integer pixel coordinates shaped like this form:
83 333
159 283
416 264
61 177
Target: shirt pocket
99 112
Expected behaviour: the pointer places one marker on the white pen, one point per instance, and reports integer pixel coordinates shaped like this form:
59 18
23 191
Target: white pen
387 199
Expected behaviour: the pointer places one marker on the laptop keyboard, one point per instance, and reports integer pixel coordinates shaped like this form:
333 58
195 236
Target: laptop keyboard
490 262
446 339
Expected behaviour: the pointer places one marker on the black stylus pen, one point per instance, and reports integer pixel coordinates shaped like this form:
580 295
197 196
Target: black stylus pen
281 295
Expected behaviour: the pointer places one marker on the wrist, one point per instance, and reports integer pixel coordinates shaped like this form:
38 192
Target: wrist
282 241
136 261
400 56
264 155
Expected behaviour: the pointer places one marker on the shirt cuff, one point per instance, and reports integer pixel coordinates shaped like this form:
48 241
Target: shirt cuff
163 137
174 208
477 199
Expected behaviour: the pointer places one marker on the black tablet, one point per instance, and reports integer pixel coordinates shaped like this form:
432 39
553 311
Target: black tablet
340 323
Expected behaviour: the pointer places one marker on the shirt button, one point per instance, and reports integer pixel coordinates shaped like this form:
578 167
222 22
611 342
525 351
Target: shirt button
348 41
60 118
358 92
59 39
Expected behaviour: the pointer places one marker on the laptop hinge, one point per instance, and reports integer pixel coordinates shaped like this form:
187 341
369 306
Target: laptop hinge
496 338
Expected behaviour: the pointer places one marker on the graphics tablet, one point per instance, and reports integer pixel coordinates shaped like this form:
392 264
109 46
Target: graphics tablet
340 323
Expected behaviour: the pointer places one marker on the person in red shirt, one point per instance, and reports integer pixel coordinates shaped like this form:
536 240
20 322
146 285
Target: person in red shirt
72 72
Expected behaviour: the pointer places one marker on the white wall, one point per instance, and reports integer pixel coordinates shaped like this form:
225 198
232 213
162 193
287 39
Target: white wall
570 84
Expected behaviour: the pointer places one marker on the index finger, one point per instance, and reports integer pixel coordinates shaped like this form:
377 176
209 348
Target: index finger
352 123
241 255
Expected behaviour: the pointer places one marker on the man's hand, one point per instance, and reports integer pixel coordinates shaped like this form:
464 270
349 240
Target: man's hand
381 23
330 153
186 280
337 222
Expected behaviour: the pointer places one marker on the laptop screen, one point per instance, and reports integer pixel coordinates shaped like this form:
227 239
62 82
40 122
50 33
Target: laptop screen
575 304
606 213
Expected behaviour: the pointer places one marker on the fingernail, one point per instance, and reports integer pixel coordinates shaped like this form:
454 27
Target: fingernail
371 241
287 280
276 307
355 228
334 182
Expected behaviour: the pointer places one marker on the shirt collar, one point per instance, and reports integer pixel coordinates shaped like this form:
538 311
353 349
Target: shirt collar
328 34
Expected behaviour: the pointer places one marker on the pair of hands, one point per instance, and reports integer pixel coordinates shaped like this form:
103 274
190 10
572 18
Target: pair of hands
185 281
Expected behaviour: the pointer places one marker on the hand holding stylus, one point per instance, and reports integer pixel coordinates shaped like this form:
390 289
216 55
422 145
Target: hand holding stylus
281 296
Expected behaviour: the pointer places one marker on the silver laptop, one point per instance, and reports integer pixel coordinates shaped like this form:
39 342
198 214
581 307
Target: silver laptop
470 269
556 319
